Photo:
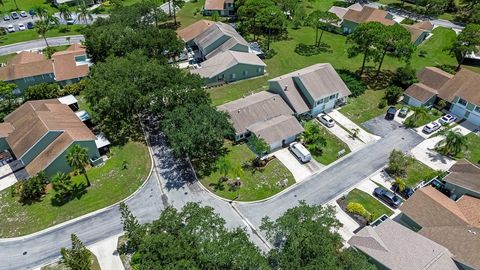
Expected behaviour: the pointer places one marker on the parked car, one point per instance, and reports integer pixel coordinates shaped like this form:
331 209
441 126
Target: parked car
6 17
300 152
403 112
15 15
387 196
23 13
447 119
391 113
406 193
431 127
31 12
70 21
21 27
326 120
10 28
30 25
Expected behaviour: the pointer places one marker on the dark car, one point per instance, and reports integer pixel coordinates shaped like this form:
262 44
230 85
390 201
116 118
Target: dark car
30 25
391 113
15 15
387 196
31 12
406 193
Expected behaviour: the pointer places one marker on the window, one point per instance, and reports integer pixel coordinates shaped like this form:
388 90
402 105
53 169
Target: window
245 73
232 76
477 109
462 102
320 101
332 97
259 70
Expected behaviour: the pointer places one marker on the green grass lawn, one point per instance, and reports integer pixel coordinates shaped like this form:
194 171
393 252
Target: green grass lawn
26 5
257 184
334 145
472 153
190 13
110 184
5 58
371 204
365 107
431 116
59 266
32 34
417 172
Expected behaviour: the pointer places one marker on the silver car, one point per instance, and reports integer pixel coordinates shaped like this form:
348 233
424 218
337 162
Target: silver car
431 127
326 120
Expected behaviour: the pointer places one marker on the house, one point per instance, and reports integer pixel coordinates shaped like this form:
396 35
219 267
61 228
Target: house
392 246
190 32
223 7
459 91
39 134
341 11
27 68
266 115
230 66
452 224
419 31
311 90
463 179
354 17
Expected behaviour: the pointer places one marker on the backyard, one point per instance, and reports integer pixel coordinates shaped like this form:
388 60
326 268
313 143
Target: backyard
110 184
472 153
32 34
256 183
372 205
365 107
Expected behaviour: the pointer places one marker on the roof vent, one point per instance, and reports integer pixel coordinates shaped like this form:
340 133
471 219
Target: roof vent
238 111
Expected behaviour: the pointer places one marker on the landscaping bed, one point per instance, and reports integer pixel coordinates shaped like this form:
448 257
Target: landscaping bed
110 184
256 183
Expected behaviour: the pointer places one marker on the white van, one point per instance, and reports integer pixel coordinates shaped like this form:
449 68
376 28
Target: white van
300 152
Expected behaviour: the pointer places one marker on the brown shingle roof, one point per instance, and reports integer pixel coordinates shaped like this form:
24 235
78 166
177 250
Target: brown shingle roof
5 129
276 129
258 107
24 65
214 4
415 32
464 174
65 66
433 77
470 207
464 84
192 31
368 14
425 25
420 91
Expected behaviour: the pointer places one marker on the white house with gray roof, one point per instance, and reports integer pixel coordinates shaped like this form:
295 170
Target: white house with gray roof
311 90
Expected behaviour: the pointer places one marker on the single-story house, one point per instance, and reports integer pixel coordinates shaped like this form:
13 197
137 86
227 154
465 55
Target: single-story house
223 7
27 68
452 224
392 246
39 134
230 66
419 31
266 115
460 91
354 17
311 90
463 179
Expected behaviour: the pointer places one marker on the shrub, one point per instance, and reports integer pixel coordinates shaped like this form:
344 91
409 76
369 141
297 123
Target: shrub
353 82
74 88
422 53
48 51
42 91
359 209
308 50
392 94
405 76
398 163
270 53
408 21
32 189
382 104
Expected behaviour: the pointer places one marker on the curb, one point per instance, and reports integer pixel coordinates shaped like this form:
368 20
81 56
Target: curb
96 212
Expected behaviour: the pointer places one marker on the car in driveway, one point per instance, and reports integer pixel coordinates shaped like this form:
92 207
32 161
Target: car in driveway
326 120
15 15
21 27
70 21
300 152
23 14
10 28
391 113
387 196
403 112
447 119
6 17
431 127
30 25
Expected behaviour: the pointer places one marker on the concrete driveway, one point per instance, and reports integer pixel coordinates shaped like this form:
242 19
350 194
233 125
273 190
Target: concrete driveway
381 126
349 125
300 171
107 254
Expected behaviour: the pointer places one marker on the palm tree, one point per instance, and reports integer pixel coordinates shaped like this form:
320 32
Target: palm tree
418 113
64 11
84 13
224 166
355 133
77 158
400 184
453 143
40 11
45 24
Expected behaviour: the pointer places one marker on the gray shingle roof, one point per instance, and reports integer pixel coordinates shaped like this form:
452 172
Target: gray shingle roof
225 60
276 129
465 174
215 32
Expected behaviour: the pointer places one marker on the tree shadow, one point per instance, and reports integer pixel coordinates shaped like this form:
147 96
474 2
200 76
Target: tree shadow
375 82
77 192
310 50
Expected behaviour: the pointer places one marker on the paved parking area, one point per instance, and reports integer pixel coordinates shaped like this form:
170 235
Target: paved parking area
348 124
300 171
381 126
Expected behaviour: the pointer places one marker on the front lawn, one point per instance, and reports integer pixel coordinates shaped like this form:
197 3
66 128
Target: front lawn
26 5
256 183
333 146
365 107
432 115
371 204
27 35
472 153
418 172
110 184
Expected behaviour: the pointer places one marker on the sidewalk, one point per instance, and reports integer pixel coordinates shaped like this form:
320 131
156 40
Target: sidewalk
107 255
349 125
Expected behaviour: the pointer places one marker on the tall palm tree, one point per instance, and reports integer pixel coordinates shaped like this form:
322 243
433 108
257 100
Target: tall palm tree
453 143
40 11
64 11
45 24
77 158
418 114
84 13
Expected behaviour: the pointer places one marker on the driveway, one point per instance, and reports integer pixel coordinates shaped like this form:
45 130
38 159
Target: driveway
381 126
106 253
349 125
300 171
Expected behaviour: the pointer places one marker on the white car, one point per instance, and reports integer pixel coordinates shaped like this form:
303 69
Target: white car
23 14
21 27
447 119
431 127
326 120
10 28
300 152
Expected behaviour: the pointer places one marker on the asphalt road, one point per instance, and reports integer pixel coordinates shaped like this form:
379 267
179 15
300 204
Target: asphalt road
39 44
334 180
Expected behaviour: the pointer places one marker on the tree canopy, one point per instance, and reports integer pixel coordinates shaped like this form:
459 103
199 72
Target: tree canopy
467 42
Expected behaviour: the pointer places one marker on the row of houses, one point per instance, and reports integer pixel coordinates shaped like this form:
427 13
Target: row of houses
432 231
460 92
272 115
221 53
29 68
